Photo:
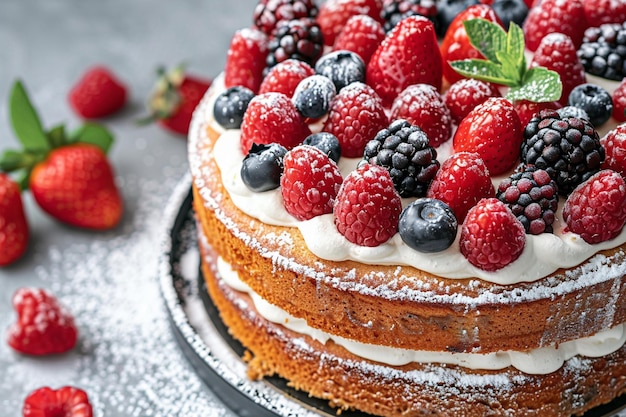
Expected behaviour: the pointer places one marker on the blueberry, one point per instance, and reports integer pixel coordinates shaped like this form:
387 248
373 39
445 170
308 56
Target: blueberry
593 99
342 67
231 105
262 167
428 225
571 111
510 11
447 11
325 142
313 96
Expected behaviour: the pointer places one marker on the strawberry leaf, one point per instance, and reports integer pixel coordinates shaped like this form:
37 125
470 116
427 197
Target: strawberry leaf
25 121
487 37
481 69
94 134
539 84
57 137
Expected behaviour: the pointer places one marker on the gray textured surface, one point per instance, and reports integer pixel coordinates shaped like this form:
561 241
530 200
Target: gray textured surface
126 359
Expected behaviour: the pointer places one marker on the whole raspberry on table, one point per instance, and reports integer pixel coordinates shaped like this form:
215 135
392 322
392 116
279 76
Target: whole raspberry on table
567 17
98 93
269 13
491 237
285 77
295 39
367 208
596 209
361 35
309 183
394 11
43 326
245 60
66 401
334 15
614 144
465 94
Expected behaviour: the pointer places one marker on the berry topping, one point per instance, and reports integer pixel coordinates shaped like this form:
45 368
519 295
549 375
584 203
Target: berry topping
272 117
98 93
404 150
295 39
325 142
334 15
356 115
428 225
342 68
245 60
594 100
548 17
619 102
532 196
598 12
603 51
596 209
285 77
368 207
408 55
14 232
526 110
423 106
568 148
510 11
43 326
571 111
231 105
361 35
313 96
269 13
467 93
493 130
491 236
461 182
396 10
64 402
614 144
310 182
447 10
262 167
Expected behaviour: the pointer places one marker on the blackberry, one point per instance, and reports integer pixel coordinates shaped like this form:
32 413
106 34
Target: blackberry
568 148
231 105
428 225
532 196
394 11
268 13
593 100
603 51
295 39
342 67
262 167
404 150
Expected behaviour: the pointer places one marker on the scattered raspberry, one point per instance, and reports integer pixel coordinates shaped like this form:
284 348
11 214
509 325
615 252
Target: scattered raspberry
295 39
361 35
309 183
598 12
64 402
491 236
461 182
272 117
596 209
423 106
334 14
285 77
245 60
356 115
526 110
548 17
43 326
368 207
467 93
269 13
614 144
619 102
98 93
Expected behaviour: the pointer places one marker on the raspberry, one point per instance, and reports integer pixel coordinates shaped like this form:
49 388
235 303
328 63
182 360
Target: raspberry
396 10
368 207
245 60
361 35
614 144
98 93
461 182
295 39
491 236
43 326
309 183
269 13
598 12
548 17
467 93
285 77
532 196
596 209
334 14
423 106
619 102
356 115
526 110
64 402
272 117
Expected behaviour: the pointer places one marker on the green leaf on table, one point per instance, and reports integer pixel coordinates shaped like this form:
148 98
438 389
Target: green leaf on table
25 121
539 84
94 134
486 37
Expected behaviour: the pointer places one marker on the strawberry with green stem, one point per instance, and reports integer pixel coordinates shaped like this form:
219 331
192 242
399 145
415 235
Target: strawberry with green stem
68 173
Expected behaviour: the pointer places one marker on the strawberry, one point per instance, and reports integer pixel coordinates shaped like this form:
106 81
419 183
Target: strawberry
64 402
408 55
14 231
245 60
614 144
423 106
467 93
461 182
334 14
272 118
619 102
526 109
98 93
494 131
556 52
309 183
361 35
491 237
174 98
549 16
43 326
368 207
356 115
598 12
285 76
596 209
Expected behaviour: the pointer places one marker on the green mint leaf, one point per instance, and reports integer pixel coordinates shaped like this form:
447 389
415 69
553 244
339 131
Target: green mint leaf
515 46
481 70
539 85
94 134
487 37
25 121
509 67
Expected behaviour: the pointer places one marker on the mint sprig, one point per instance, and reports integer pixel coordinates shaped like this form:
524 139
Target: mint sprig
505 63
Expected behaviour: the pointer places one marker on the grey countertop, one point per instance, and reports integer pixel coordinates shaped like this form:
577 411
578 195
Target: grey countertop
126 358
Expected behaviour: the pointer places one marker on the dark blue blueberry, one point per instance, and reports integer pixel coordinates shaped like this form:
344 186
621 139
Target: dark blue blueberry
571 111
325 142
313 96
262 167
594 100
342 67
510 11
231 105
428 225
447 11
